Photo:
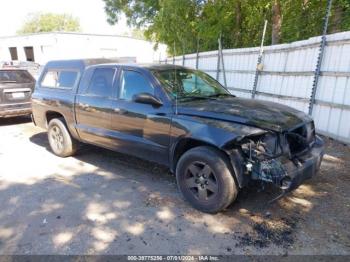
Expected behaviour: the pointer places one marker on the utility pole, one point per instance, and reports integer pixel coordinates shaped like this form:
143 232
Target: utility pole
218 64
259 65
320 57
183 54
197 54
174 54
222 60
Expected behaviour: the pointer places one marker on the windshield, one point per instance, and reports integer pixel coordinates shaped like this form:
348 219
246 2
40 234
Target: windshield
15 76
186 83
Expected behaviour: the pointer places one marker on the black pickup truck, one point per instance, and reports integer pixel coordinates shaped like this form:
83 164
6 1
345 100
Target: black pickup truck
215 142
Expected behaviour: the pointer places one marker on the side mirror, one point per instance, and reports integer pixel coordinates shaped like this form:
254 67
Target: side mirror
147 98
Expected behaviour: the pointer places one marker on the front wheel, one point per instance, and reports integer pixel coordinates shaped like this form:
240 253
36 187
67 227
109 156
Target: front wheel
61 142
204 179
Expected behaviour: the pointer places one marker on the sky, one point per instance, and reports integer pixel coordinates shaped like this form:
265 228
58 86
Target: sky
90 13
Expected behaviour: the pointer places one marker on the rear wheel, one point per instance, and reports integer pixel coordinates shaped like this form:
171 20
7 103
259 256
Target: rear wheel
205 180
61 142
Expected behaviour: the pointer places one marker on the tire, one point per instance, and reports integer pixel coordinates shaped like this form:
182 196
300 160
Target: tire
61 142
204 179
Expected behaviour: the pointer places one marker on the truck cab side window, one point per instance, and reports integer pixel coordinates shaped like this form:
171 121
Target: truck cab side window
133 83
50 79
102 82
59 79
67 79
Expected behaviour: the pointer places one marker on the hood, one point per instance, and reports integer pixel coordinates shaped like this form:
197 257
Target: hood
258 113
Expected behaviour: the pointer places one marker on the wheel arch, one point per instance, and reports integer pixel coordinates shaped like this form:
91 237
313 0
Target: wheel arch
233 156
183 145
50 114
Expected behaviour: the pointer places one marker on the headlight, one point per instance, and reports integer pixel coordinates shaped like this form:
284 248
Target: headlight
261 153
262 147
301 138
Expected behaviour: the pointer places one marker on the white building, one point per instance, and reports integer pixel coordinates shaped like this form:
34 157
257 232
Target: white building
43 47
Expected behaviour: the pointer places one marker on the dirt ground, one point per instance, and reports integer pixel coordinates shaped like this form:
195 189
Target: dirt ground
101 202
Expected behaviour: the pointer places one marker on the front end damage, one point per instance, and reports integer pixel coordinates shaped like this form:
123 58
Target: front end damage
285 159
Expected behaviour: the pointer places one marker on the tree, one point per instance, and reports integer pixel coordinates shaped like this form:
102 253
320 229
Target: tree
138 33
276 22
184 23
135 33
340 18
239 22
49 22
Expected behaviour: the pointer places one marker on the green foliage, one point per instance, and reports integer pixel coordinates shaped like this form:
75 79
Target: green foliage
240 22
49 22
138 33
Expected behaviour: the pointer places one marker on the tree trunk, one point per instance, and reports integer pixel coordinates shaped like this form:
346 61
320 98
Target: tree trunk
336 18
238 34
276 22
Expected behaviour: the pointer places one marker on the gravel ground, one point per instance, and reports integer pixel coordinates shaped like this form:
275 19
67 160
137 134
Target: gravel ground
101 202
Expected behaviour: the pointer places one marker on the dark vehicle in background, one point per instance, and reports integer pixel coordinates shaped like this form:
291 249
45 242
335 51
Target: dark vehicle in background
16 87
32 67
216 143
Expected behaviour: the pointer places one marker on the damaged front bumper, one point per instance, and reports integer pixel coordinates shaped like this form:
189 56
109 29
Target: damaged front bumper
289 174
305 167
